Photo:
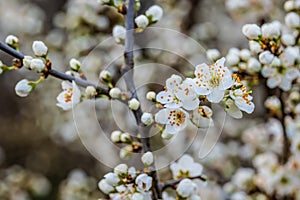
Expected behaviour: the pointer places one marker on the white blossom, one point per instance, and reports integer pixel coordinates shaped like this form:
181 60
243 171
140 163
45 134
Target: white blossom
27 61
69 97
119 33
155 12
266 57
105 187
292 20
39 48
271 30
11 40
121 169
147 158
174 119
37 64
115 93
105 76
116 136
74 64
213 54
125 137
255 47
245 54
201 117
251 31
141 21
151 96
112 178
288 39
144 182
289 5
213 80
232 109
23 88
147 118
253 65
133 104
186 168
242 99
186 188
90 91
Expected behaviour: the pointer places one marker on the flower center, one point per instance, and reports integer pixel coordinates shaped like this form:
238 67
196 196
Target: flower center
177 117
214 80
68 95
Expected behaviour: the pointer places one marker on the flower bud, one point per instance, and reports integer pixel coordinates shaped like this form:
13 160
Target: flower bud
90 91
116 136
133 104
119 33
75 64
39 48
288 39
121 169
292 20
186 188
147 158
289 5
37 65
201 117
232 59
255 47
105 187
155 13
147 118
23 88
213 54
125 137
266 57
254 65
271 30
151 96
115 93
105 76
245 54
112 178
12 41
27 61
141 21
251 31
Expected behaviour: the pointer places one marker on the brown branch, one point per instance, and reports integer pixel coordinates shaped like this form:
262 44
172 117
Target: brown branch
286 143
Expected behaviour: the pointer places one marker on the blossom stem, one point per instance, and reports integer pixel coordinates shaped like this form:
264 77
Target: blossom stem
172 183
57 74
128 73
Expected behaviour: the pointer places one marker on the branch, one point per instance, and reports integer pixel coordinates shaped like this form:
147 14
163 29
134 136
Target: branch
172 183
57 74
128 73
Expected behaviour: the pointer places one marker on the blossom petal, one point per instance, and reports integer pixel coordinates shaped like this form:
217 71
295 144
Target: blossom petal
162 116
215 96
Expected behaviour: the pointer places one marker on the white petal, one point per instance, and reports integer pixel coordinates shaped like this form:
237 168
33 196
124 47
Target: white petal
173 82
244 106
191 104
273 82
285 84
216 96
164 97
162 116
76 94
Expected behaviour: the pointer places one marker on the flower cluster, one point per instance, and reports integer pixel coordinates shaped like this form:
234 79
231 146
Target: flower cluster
126 183
214 83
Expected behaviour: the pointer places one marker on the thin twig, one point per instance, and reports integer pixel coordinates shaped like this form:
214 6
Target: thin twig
128 74
55 73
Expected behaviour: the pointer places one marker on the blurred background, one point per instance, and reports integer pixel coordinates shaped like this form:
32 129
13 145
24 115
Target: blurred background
41 154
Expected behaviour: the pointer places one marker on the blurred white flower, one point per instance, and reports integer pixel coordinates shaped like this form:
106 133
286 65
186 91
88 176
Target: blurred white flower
75 64
11 40
147 118
105 187
186 188
151 96
37 65
121 169
133 104
27 61
112 178
253 65
116 136
90 91
213 54
201 117
69 97
119 33
242 99
185 167
292 20
271 30
115 93
255 47
147 158
266 57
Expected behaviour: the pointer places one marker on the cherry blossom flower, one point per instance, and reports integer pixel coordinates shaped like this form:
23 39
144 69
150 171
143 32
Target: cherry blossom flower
213 80
174 119
178 94
144 182
186 168
69 96
186 188
242 99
